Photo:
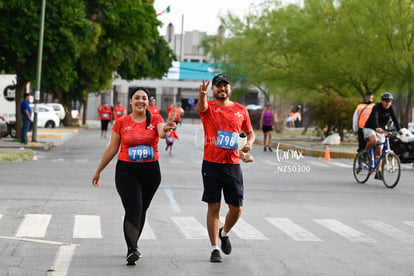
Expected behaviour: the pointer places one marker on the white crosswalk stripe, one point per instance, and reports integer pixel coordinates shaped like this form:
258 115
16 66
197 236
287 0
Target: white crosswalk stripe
344 230
148 233
293 230
34 226
87 227
190 228
245 231
390 230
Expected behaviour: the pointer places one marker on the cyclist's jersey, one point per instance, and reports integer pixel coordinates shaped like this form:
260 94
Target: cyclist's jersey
222 125
138 142
364 111
380 117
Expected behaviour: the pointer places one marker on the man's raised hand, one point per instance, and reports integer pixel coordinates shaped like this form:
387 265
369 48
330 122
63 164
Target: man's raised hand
204 87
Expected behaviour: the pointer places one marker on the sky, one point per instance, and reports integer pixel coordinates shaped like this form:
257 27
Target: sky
201 15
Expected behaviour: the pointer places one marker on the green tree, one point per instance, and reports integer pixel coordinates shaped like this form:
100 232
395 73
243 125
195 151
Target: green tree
349 47
65 29
85 43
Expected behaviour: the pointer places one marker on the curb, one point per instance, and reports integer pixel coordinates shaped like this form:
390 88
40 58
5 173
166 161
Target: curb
308 151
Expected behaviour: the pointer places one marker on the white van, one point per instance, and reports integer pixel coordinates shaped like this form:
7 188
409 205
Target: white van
7 101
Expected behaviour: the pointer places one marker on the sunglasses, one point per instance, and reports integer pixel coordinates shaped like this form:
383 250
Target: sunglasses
387 101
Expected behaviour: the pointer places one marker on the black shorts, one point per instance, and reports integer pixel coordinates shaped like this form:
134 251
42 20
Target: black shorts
267 129
226 177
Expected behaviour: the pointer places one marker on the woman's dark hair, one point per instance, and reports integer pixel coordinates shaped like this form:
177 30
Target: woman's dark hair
147 112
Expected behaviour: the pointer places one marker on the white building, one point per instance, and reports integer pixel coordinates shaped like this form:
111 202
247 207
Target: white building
179 86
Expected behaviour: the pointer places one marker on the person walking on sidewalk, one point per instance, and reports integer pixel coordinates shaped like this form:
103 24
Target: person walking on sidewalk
223 120
27 118
267 122
137 173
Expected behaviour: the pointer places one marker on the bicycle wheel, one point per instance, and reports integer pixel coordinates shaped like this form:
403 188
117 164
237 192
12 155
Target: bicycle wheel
361 168
391 170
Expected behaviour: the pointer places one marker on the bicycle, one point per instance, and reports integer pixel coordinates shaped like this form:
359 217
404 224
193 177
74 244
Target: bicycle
365 165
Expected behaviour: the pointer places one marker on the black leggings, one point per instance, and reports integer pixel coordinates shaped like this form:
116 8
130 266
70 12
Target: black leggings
136 184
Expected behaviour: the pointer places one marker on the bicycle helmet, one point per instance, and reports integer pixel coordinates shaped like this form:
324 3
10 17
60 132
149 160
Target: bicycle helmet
386 96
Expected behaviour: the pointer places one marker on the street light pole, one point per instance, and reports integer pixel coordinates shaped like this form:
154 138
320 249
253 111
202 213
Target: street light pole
38 71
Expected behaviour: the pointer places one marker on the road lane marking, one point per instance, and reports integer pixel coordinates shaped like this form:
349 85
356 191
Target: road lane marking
34 226
190 227
245 231
173 203
148 233
293 230
389 230
87 227
63 260
344 230
411 223
341 164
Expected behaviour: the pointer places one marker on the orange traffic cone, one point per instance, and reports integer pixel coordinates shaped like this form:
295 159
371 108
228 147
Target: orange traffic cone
327 154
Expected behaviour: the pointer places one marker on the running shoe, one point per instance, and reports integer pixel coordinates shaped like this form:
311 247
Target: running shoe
215 256
133 257
225 243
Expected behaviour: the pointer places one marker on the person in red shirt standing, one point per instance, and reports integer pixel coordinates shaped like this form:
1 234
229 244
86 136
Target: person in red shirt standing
223 121
152 107
137 173
119 111
106 116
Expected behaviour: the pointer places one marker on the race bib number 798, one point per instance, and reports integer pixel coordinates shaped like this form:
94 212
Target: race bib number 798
141 153
227 139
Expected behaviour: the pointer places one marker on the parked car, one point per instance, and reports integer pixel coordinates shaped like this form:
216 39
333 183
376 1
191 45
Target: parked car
3 127
46 116
59 109
253 107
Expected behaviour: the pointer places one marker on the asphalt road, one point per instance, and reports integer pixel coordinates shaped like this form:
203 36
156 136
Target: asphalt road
302 216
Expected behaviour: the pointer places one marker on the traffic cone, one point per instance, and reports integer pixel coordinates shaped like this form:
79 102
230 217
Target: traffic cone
327 154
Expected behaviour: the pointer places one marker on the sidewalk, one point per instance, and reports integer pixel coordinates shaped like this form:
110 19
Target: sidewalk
309 145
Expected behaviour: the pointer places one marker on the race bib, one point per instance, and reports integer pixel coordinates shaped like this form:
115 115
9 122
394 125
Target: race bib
141 153
119 112
170 139
227 139
105 115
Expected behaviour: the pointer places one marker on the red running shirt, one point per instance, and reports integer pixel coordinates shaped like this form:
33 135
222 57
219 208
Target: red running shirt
106 113
119 111
217 120
135 135
154 109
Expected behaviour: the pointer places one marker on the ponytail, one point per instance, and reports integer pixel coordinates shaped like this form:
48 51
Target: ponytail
148 115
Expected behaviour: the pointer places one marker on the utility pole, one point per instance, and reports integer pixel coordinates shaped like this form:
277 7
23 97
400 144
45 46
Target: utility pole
38 71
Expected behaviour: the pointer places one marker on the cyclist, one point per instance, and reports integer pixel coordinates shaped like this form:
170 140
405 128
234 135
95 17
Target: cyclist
374 128
361 115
